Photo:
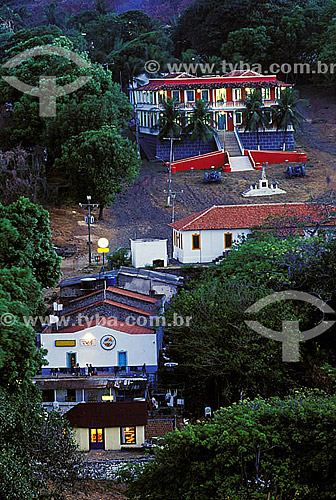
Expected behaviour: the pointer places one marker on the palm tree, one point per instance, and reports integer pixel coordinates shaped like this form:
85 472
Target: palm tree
253 114
200 125
285 112
170 127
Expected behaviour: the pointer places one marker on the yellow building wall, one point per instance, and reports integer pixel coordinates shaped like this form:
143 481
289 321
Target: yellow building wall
82 438
112 438
140 435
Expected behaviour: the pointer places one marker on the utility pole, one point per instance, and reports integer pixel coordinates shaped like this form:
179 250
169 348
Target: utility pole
89 221
137 130
173 195
171 139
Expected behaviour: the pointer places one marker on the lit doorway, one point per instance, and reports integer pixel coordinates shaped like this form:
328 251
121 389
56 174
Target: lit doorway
71 360
96 439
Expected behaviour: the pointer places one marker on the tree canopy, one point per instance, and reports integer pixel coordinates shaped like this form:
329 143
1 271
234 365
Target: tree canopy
252 450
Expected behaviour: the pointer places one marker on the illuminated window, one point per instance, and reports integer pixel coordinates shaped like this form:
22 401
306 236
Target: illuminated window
228 240
236 94
221 95
266 93
128 435
277 92
196 242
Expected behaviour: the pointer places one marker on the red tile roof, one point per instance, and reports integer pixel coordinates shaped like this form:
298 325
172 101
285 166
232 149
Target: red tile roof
120 291
134 295
112 323
111 303
246 216
234 79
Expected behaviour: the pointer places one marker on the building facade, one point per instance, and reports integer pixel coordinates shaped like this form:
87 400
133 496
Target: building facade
209 235
225 98
109 426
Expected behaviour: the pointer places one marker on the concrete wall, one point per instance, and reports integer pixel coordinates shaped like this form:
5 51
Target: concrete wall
141 348
183 149
146 285
271 141
144 252
211 242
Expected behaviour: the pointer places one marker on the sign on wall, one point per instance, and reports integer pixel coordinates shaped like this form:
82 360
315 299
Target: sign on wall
108 342
88 342
65 343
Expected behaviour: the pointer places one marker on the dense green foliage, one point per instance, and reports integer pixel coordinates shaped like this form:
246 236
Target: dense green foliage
95 107
99 162
35 447
253 450
220 358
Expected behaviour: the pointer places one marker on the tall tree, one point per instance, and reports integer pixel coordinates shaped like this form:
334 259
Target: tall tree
99 163
200 125
286 113
25 241
253 114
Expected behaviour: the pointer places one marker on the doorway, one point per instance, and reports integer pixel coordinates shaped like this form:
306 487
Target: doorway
96 439
71 360
221 121
122 360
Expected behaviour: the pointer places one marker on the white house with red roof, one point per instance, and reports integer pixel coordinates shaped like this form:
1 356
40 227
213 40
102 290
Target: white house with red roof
210 234
224 95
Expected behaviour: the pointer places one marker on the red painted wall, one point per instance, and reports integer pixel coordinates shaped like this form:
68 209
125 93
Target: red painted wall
203 162
230 121
218 159
273 157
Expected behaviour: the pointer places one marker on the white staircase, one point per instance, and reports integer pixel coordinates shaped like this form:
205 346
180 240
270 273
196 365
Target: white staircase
230 143
240 164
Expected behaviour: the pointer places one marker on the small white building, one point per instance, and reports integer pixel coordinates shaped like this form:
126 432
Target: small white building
208 235
148 252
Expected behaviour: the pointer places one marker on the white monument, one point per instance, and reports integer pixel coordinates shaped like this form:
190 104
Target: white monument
262 188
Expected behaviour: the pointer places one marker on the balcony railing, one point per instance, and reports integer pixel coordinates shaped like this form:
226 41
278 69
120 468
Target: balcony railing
212 105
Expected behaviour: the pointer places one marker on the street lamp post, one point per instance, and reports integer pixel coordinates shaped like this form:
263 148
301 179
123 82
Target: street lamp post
89 205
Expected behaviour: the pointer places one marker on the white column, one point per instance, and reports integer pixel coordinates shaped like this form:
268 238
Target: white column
83 396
